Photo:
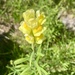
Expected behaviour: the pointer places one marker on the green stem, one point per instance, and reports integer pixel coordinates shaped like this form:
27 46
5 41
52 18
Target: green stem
38 53
33 47
32 54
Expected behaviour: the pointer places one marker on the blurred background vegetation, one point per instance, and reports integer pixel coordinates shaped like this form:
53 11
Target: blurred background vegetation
59 45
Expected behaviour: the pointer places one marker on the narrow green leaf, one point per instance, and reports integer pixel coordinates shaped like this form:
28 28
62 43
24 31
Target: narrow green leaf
23 72
19 61
43 71
20 66
31 57
38 68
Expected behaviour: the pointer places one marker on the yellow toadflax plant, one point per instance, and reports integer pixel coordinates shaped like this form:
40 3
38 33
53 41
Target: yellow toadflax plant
33 29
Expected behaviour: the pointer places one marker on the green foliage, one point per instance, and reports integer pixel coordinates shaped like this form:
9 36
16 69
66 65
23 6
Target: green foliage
56 56
28 65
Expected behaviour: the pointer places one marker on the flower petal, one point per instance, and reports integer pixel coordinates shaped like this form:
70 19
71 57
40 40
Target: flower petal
39 39
24 28
38 30
32 23
29 14
40 17
29 39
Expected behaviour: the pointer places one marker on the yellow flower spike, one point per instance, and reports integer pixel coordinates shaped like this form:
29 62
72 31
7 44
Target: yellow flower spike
32 26
24 28
29 39
39 39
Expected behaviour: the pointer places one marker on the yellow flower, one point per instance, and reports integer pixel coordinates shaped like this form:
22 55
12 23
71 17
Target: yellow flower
38 30
32 26
24 28
39 39
29 39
